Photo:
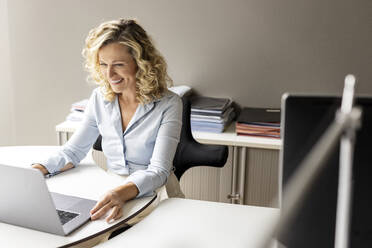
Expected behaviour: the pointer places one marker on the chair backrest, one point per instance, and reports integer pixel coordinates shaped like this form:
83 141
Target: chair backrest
190 153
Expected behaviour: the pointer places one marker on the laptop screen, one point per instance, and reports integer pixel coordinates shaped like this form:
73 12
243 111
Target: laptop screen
313 225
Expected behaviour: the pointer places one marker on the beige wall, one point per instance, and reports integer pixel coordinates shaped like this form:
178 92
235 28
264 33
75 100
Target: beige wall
250 50
6 94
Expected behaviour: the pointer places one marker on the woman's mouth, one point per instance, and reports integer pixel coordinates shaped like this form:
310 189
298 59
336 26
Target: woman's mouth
116 81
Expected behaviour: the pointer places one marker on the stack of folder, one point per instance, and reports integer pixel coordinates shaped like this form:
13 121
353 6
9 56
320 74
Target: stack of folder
259 122
209 114
77 110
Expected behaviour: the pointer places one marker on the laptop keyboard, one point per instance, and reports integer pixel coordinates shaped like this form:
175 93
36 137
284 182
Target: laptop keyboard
66 216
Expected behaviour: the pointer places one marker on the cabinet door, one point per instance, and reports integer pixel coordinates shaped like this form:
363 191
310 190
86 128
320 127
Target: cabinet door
63 137
261 177
208 183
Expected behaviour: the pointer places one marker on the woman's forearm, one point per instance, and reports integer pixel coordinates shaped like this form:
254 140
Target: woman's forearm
67 167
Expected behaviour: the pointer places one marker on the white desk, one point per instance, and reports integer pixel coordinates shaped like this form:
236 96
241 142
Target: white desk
191 223
80 181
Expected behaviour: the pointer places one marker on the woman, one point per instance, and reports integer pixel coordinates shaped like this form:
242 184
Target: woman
138 118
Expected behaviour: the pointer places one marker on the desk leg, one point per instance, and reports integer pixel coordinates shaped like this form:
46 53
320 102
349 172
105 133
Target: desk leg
234 196
242 165
59 138
239 155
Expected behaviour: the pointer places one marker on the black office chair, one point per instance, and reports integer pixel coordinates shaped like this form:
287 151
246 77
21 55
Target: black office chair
190 153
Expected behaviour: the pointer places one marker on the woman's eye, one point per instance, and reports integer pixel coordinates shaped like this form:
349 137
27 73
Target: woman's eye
102 64
118 65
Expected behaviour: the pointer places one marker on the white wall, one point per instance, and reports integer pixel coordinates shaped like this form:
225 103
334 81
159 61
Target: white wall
6 90
251 50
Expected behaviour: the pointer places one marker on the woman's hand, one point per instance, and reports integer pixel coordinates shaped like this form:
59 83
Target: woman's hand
45 171
114 199
41 168
111 200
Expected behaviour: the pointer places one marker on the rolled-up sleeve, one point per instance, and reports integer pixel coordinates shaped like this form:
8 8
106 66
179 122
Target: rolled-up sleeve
81 141
161 162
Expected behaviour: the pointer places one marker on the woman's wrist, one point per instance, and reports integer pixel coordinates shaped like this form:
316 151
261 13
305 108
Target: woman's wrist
127 191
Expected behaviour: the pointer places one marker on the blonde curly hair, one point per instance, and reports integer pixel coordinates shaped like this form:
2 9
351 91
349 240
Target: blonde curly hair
152 76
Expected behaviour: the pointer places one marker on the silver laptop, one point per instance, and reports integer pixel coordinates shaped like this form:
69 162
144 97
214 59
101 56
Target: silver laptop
25 201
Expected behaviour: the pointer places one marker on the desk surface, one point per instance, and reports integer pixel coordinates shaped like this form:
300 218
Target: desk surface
192 223
80 181
229 137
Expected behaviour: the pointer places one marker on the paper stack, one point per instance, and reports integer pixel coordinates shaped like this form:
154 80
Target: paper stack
181 90
259 122
209 114
77 111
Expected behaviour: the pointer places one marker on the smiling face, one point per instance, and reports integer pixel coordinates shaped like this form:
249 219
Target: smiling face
118 67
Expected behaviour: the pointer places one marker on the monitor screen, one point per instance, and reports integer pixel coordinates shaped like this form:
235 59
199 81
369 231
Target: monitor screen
305 118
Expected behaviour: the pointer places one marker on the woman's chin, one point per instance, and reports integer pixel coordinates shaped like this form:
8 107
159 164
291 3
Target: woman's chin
117 88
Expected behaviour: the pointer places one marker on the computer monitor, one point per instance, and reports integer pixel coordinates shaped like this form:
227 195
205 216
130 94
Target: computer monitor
304 120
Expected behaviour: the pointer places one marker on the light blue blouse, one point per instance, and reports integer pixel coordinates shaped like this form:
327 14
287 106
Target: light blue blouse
144 151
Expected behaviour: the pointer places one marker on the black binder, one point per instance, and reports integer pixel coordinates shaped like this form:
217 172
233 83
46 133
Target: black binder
259 116
209 104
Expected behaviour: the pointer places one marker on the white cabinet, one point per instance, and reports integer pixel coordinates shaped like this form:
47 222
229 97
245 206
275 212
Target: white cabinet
208 183
250 176
254 183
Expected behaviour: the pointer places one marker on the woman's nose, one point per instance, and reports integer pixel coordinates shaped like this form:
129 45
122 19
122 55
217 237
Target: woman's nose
110 71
